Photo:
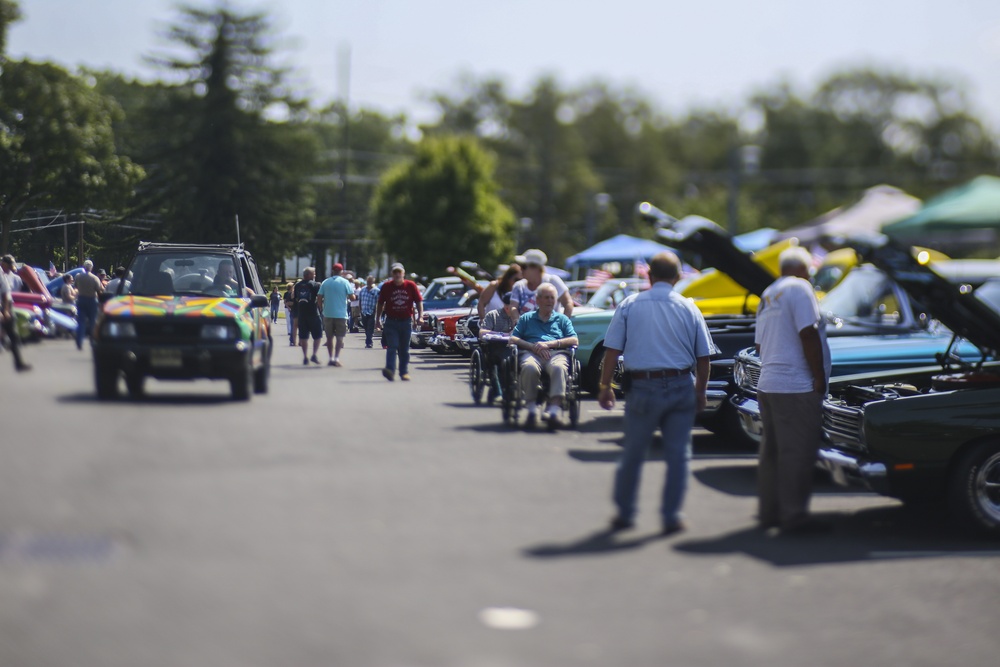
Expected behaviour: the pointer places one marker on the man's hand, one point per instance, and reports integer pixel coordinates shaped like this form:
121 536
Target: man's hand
700 401
541 351
606 398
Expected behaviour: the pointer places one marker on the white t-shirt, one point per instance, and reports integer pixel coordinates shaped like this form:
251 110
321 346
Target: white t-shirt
523 298
787 307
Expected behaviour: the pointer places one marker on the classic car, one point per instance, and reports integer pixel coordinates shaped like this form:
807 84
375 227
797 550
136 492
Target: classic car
929 434
873 324
193 311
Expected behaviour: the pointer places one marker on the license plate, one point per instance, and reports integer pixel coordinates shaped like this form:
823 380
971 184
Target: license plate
166 358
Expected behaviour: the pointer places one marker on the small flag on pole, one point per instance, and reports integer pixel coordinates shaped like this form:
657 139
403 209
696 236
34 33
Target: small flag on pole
596 278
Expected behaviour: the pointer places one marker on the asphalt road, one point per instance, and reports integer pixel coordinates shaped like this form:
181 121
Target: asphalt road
342 520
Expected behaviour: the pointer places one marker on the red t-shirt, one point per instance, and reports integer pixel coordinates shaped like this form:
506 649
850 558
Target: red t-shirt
397 300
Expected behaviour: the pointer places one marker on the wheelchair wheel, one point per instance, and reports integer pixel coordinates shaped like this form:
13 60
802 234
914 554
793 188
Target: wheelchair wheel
476 380
573 394
510 397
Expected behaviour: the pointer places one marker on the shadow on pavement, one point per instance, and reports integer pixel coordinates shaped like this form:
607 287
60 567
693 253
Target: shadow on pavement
601 542
741 480
879 533
152 399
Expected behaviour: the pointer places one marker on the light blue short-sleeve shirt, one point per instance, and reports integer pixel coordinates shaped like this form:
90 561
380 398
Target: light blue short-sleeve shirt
335 291
659 329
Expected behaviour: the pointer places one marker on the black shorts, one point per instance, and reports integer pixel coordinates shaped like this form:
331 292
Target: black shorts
310 326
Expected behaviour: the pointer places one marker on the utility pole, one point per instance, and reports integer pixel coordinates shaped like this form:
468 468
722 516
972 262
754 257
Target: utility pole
344 83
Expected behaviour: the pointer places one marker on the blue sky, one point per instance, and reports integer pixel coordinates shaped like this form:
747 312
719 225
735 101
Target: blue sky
679 54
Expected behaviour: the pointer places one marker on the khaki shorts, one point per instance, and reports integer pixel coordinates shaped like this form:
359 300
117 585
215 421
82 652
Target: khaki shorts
335 327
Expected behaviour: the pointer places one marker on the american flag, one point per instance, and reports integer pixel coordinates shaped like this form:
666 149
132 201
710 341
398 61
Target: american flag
641 269
597 277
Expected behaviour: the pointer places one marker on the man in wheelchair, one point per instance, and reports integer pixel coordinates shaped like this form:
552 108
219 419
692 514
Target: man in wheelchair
541 336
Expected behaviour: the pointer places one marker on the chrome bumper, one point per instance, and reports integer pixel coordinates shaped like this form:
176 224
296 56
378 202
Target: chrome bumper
749 412
716 395
849 470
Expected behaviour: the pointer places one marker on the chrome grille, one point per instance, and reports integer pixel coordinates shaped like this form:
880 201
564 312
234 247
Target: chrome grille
746 373
844 425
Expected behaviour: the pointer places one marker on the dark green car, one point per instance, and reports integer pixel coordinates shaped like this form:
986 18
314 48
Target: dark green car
927 434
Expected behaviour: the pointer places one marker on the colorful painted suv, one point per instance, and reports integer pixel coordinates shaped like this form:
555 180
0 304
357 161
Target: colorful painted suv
187 311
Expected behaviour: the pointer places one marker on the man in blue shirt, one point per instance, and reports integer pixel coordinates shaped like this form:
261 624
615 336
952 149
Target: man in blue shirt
368 299
666 346
332 300
538 335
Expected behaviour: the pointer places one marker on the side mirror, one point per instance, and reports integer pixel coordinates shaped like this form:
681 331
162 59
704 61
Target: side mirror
259 301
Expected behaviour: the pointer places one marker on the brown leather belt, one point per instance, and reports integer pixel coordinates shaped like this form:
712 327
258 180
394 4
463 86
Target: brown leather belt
665 373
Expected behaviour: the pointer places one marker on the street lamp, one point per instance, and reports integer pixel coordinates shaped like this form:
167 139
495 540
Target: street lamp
743 161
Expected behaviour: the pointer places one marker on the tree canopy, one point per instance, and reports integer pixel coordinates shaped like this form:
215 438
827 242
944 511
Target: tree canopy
442 207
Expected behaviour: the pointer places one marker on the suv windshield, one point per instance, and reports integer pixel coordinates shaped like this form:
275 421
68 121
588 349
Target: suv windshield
164 274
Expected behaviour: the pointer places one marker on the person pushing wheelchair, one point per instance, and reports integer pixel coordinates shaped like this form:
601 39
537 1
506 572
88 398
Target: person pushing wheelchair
539 335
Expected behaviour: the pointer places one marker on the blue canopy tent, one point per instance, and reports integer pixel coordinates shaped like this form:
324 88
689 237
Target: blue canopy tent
622 248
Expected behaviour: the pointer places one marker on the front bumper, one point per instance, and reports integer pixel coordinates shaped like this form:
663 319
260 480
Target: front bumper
716 395
850 469
749 413
175 362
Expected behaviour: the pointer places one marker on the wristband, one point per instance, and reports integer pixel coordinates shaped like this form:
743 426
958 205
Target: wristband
603 386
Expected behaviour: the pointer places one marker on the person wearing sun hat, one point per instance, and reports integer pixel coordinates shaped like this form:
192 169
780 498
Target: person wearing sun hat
522 295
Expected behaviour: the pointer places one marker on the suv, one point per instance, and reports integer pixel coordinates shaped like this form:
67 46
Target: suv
187 311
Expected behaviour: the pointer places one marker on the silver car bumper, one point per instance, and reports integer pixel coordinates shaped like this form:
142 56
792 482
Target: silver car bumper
850 470
749 412
716 395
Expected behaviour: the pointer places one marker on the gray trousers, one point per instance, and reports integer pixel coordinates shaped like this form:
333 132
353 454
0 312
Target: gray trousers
788 450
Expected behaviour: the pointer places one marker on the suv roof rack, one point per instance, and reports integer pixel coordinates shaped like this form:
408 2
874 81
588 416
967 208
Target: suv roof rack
155 245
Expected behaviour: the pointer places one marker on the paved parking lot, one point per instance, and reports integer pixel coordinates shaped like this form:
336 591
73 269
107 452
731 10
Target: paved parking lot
344 520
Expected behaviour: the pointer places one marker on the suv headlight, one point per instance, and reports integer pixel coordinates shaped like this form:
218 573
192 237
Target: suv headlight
217 332
118 329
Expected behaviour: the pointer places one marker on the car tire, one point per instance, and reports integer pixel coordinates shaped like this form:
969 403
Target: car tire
974 490
261 376
242 382
135 383
106 380
592 377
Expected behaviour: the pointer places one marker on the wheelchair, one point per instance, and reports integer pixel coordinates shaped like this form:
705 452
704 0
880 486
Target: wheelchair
512 400
484 367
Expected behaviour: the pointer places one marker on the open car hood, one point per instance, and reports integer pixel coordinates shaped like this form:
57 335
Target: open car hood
954 305
702 236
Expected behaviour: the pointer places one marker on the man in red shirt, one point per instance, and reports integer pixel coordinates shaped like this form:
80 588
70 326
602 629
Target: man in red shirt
397 299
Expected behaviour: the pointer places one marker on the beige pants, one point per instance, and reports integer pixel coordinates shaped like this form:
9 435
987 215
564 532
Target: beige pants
557 368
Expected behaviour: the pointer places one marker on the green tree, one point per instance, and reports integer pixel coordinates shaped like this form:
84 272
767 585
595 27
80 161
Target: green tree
10 11
442 207
57 145
223 156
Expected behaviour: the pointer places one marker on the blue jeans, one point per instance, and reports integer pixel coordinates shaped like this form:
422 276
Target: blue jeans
86 317
396 336
368 321
667 404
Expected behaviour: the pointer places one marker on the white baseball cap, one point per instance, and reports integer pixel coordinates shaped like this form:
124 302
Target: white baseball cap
535 256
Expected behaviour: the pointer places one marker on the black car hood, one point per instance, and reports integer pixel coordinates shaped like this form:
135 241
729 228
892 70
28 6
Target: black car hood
954 305
703 237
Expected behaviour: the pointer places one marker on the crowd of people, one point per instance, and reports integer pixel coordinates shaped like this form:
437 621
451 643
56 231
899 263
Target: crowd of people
661 337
